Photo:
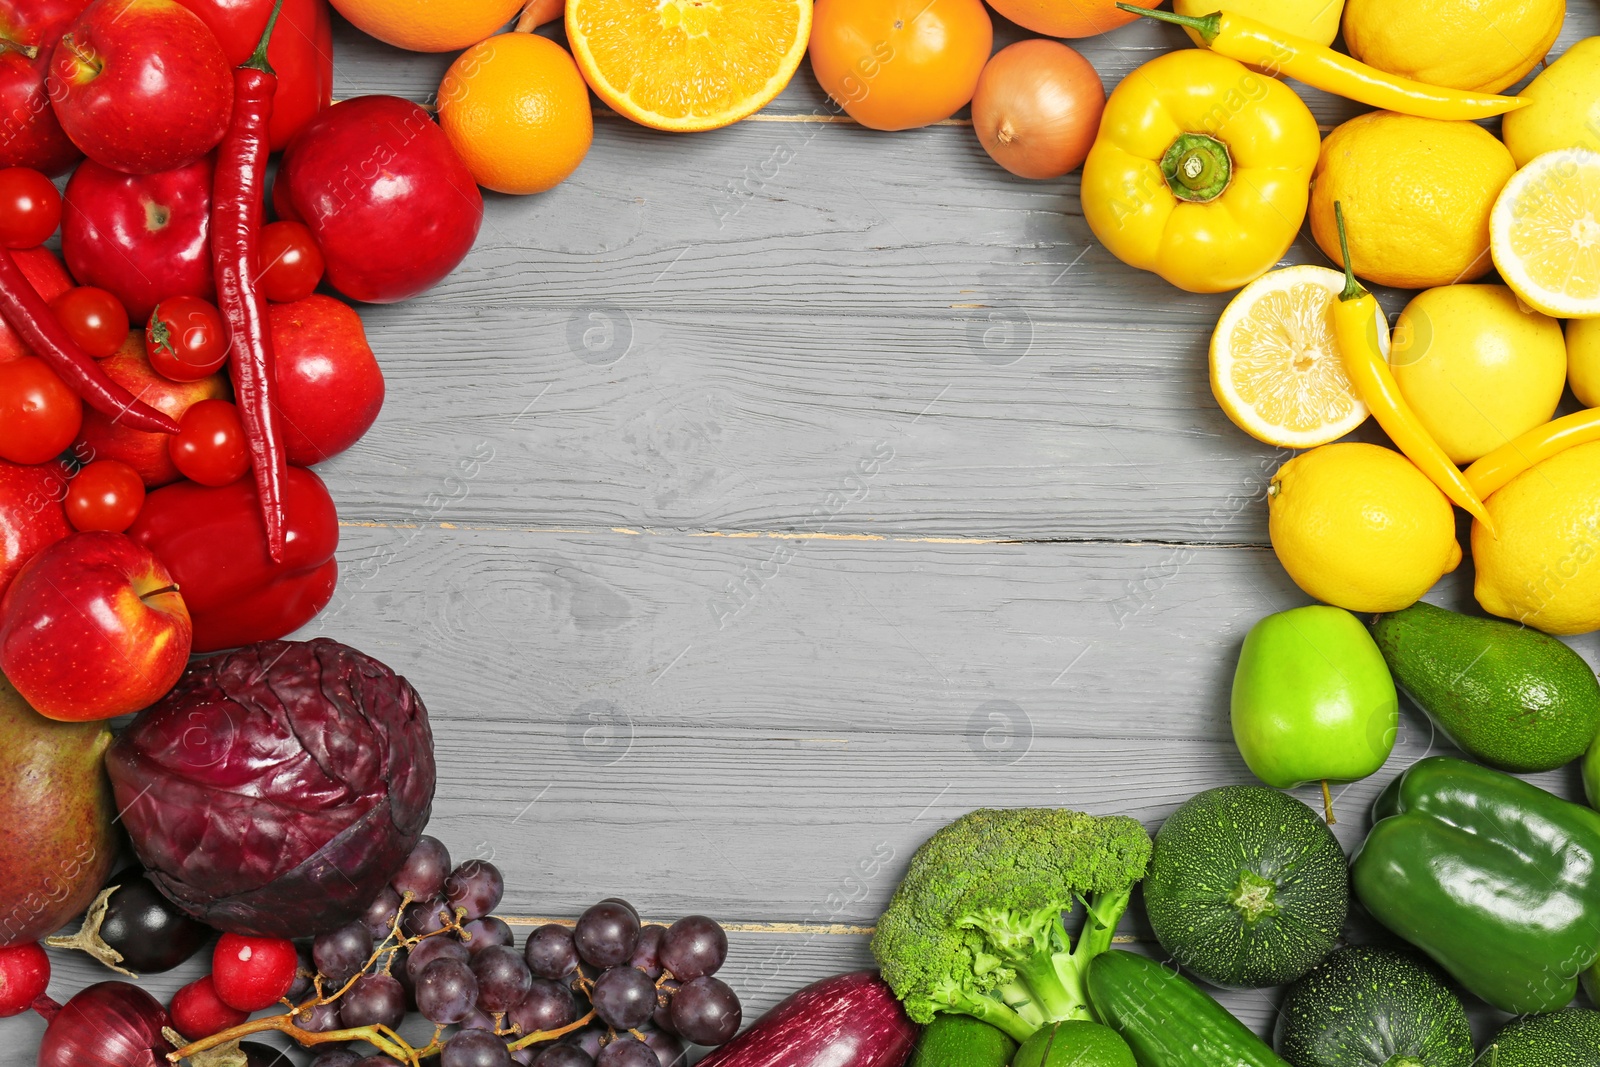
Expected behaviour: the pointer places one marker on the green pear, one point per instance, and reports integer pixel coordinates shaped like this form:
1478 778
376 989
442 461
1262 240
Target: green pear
57 819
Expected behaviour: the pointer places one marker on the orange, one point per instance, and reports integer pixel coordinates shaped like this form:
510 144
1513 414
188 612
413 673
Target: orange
899 64
1074 18
517 111
429 25
688 65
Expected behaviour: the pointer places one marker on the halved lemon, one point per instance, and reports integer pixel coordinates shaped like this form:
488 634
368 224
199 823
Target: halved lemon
1544 233
688 65
1275 367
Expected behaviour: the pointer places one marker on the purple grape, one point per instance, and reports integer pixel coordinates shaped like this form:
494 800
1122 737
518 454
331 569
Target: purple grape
548 1005
476 886
487 932
550 952
475 1048
446 991
563 1056
523 1057
623 997
503 979
606 934
342 954
647 952
426 917
589 1040
425 869
429 949
305 972
662 1016
706 1012
380 1060
478 1019
320 1018
668 1049
381 914
374 1000
259 1055
627 1051
624 903
694 947
336 1057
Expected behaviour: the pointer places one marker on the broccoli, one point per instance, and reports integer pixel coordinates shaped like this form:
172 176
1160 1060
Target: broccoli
976 925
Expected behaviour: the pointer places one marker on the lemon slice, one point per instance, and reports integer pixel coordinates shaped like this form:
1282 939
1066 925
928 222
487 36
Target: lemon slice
1275 368
688 65
1544 233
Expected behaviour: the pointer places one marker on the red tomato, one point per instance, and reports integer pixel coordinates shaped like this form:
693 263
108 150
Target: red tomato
209 446
30 208
291 262
105 495
186 339
94 318
39 415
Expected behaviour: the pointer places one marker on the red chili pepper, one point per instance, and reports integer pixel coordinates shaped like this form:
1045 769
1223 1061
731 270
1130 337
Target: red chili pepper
27 313
238 203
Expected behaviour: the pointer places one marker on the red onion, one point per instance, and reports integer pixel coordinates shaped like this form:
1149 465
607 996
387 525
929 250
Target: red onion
112 1024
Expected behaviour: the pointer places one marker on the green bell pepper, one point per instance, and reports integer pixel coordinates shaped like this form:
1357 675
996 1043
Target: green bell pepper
1496 879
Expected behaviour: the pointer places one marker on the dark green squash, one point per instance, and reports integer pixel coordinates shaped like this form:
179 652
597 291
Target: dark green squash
1568 1038
1373 1007
1247 887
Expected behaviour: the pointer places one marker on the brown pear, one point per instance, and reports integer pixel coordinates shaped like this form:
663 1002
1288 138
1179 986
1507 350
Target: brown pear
57 819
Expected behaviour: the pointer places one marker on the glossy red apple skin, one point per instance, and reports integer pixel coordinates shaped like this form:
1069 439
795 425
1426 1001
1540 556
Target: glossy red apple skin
101 438
145 238
330 387
49 278
30 133
141 85
31 514
392 206
92 628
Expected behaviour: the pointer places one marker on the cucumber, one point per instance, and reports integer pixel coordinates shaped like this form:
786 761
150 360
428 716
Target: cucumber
1247 887
962 1041
1373 1007
1167 1020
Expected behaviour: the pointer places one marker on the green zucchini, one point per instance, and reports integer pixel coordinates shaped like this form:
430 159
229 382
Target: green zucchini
1247 887
1373 1007
1166 1019
1568 1038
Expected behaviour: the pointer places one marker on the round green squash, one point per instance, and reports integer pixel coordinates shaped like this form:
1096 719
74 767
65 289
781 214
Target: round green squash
1373 1007
1247 887
1074 1044
1568 1038
962 1041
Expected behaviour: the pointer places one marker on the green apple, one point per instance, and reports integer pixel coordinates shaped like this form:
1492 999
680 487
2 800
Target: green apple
1313 699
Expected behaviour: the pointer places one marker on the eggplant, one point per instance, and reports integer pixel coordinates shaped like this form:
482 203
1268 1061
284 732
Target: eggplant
849 1020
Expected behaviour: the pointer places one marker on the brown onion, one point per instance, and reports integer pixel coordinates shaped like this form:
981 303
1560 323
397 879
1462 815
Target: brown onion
1037 108
112 1024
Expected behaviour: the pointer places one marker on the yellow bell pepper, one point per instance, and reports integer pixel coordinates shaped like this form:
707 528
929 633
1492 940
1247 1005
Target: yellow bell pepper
1201 171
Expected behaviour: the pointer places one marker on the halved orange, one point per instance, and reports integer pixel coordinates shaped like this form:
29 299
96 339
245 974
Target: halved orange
688 65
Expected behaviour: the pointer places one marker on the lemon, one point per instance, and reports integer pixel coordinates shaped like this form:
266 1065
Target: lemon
1463 44
1359 527
1545 233
1275 369
1476 367
1543 570
1416 195
1565 112
1315 20
1583 361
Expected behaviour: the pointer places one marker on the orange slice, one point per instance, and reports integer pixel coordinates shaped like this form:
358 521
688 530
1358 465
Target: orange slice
688 65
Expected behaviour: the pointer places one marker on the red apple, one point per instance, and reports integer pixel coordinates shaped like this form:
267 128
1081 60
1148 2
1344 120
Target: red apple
49 279
30 133
141 85
92 628
392 206
330 387
145 238
31 514
102 438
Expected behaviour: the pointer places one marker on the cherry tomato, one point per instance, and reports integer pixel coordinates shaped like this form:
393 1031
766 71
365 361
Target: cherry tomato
39 415
209 446
30 208
186 339
291 262
105 495
94 318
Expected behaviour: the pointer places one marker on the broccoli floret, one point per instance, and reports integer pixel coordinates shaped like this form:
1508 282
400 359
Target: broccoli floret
976 925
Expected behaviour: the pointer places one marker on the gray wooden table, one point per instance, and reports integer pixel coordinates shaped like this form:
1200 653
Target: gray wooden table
758 501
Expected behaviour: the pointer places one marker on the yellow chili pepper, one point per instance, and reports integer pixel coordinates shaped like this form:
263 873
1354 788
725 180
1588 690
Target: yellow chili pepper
1276 52
1201 171
1355 331
1495 469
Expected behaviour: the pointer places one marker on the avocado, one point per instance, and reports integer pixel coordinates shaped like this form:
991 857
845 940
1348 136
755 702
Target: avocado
962 1041
1074 1044
1507 695
1568 1038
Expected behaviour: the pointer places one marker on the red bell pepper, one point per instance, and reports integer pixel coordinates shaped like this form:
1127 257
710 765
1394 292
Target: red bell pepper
212 542
301 52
